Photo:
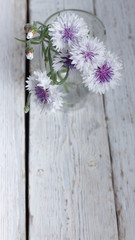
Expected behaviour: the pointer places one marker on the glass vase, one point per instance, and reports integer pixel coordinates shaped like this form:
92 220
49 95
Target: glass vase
75 92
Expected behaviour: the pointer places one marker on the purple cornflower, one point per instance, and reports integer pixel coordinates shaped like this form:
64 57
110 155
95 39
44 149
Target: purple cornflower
46 95
42 94
68 62
68 34
104 76
88 53
104 73
62 59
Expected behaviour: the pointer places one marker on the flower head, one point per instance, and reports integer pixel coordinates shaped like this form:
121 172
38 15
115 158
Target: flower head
104 76
29 53
45 95
88 53
67 29
62 61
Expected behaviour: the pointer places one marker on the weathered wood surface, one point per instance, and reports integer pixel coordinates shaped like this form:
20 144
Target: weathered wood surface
70 188
75 188
119 18
12 73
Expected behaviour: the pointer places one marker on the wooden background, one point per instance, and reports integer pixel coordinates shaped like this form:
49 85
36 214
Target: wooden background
81 164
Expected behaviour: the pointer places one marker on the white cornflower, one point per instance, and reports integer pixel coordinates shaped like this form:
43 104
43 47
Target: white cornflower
87 54
47 96
67 29
104 76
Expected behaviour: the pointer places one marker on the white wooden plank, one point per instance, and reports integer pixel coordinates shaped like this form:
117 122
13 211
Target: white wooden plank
118 17
12 171
71 195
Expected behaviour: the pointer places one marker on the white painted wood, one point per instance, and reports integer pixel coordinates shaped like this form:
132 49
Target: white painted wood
119 18
70 181
12 171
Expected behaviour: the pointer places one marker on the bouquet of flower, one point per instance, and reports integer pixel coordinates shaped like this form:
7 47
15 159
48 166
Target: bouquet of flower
68 50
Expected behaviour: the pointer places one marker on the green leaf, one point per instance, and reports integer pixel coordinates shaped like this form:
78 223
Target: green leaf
46 41
42 48
49 74
35 43
54 50
24 41
40 23
46 51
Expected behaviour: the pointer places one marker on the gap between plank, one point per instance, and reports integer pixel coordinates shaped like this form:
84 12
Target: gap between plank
111 161
27 71
109 146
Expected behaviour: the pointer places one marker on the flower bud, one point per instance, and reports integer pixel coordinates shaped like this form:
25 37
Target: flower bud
29 53
26 109
27 27
31 32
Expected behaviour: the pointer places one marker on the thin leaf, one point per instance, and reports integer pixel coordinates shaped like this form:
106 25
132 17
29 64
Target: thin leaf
41 23
35 43
53 77
44 50
49 74
24 41
54 50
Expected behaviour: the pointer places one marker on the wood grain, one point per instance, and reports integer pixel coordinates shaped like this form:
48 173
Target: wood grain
118 17
12 171
71 194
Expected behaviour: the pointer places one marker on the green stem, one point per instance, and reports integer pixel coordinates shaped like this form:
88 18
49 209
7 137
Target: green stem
50 59
62 79
37 22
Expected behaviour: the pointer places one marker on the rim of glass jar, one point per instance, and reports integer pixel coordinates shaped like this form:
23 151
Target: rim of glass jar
77 10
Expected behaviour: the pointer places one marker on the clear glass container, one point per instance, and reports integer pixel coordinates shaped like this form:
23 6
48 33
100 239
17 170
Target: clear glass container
77 93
